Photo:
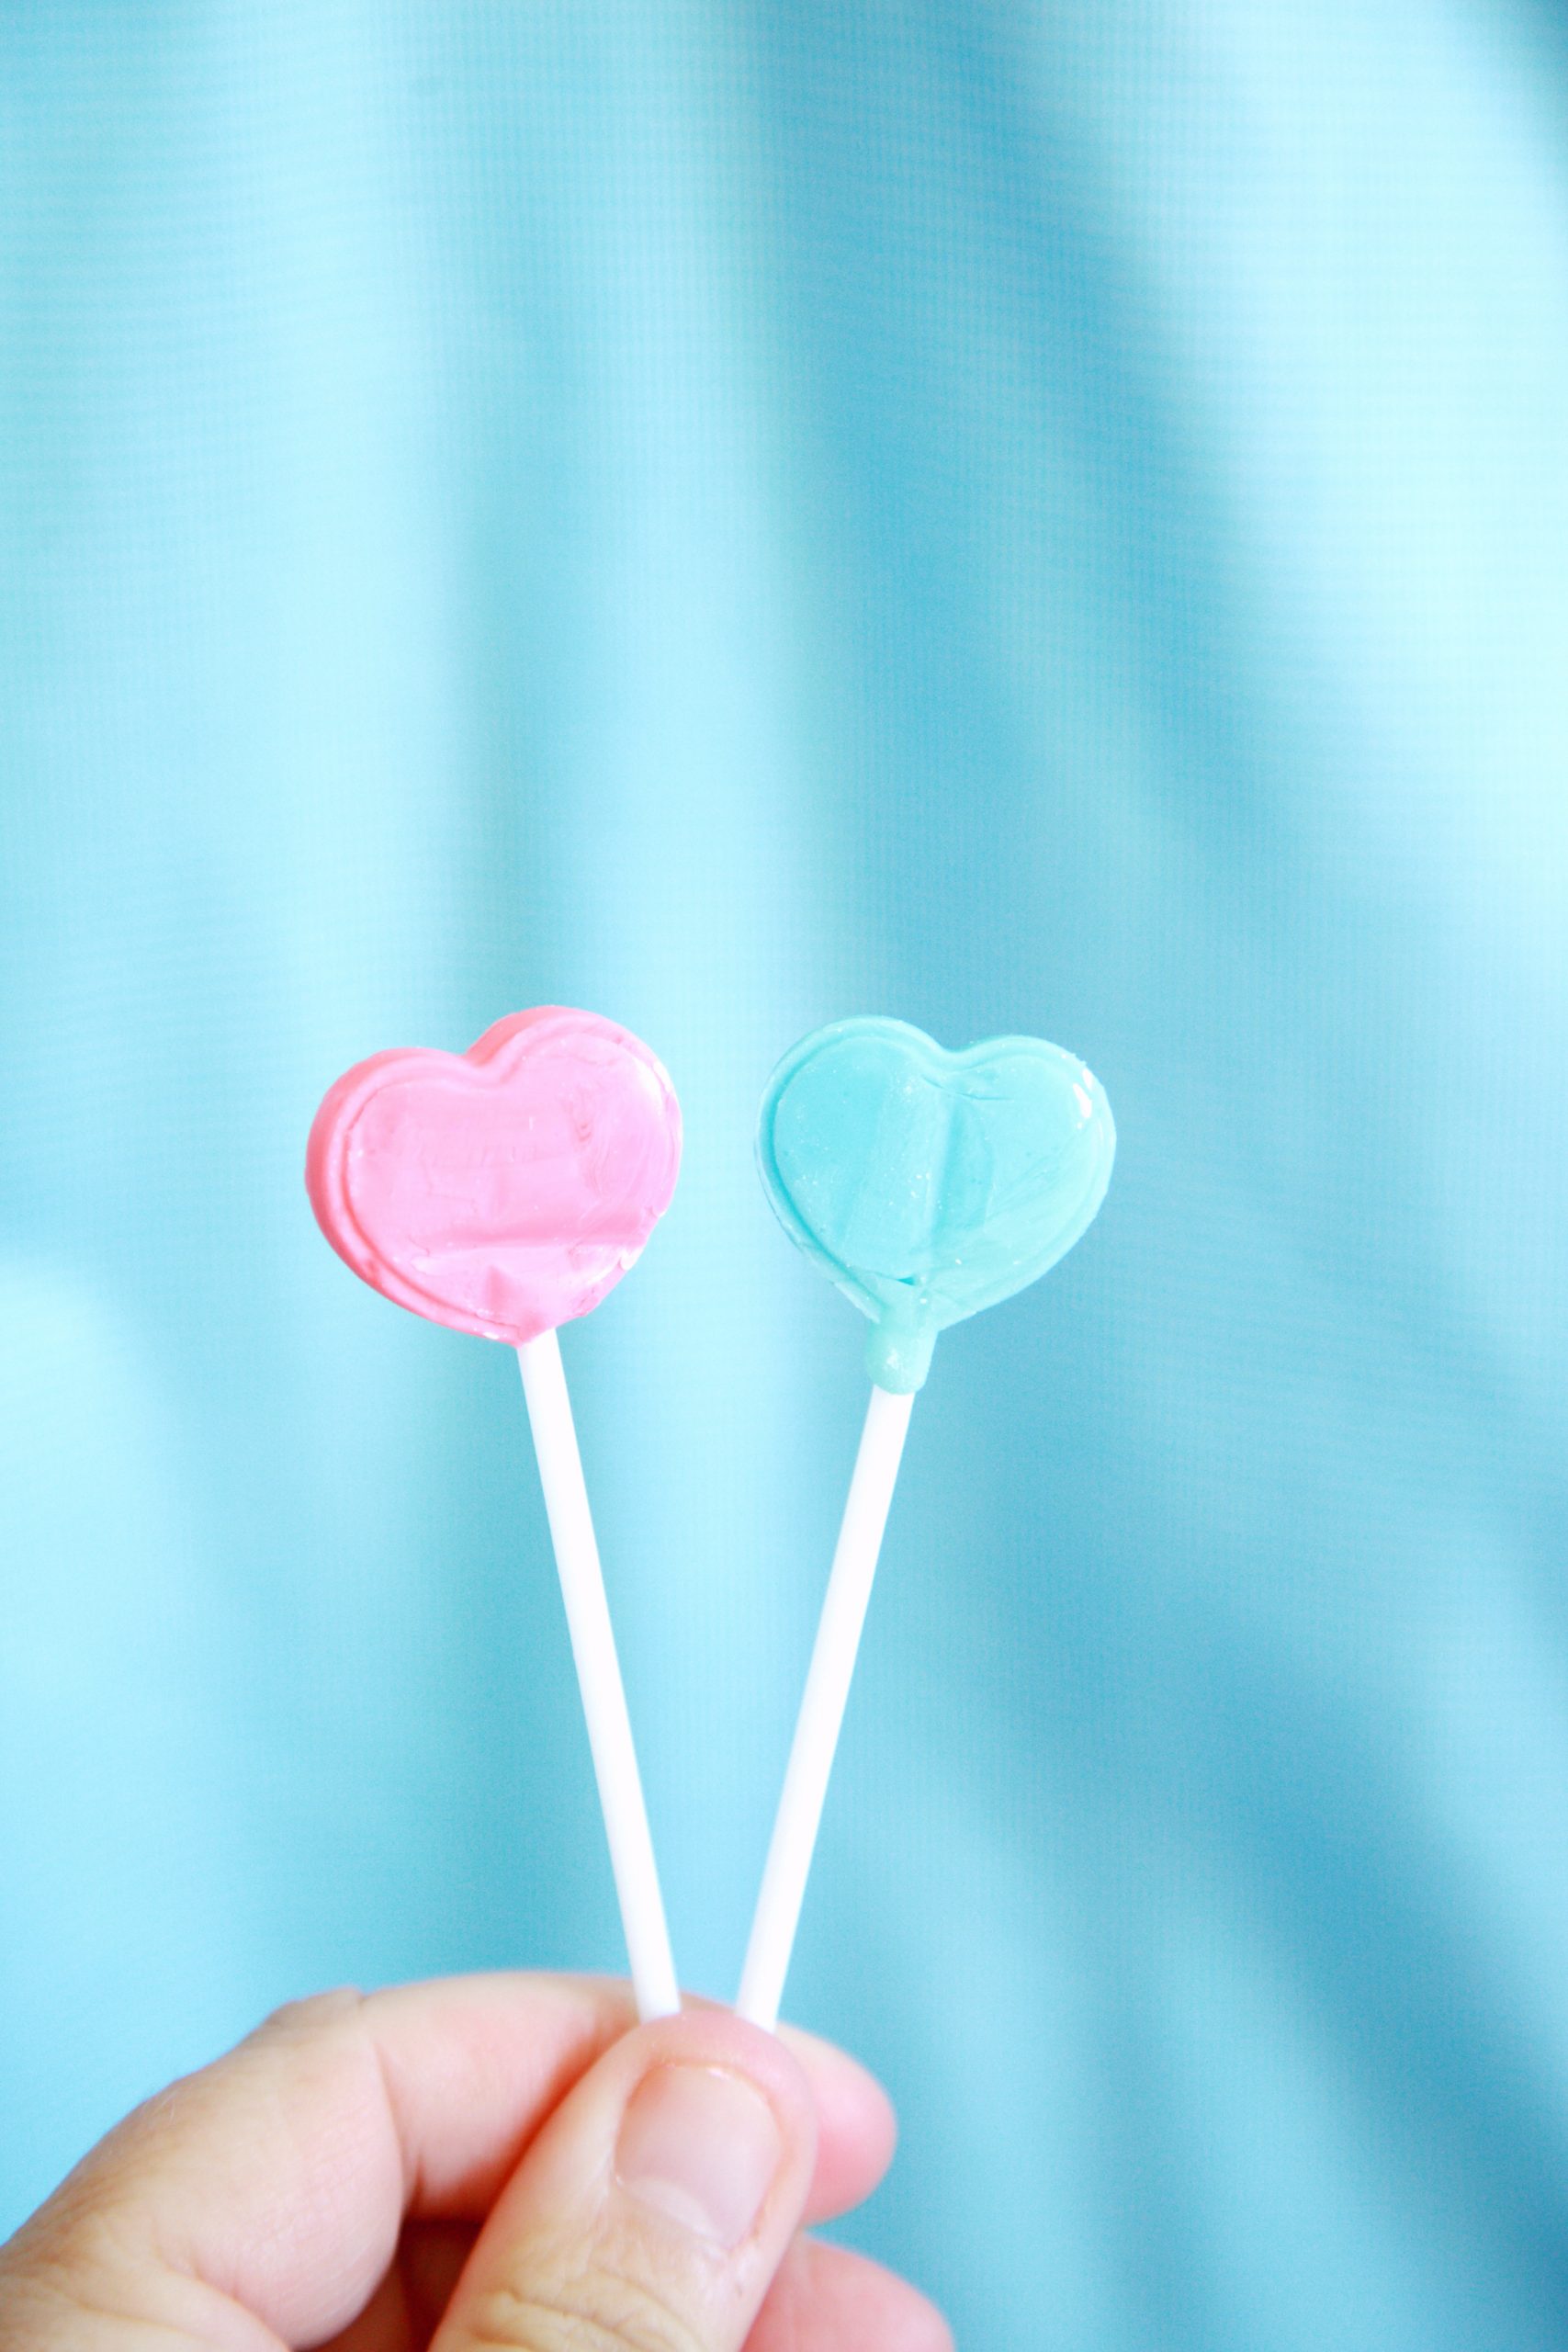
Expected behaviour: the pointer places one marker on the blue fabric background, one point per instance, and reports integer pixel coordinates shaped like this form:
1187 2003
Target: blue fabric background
1019 518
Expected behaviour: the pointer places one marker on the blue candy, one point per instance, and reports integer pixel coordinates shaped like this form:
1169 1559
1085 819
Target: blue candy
930 1184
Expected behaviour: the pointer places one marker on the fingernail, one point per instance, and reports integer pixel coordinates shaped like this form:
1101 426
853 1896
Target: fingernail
701 2146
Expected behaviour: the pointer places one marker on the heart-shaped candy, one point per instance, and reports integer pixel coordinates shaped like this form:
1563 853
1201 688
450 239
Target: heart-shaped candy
930 1184
505 1190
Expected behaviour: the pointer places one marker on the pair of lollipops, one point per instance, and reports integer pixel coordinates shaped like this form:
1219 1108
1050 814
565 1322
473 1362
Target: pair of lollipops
506 1190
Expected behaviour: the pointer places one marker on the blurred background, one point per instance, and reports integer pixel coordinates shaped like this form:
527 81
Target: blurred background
1015 516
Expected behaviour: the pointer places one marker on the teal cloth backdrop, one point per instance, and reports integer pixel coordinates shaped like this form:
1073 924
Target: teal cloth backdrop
1014 517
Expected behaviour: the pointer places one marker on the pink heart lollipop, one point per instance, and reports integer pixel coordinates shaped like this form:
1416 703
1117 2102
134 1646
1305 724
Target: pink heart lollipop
506 1190
503 1192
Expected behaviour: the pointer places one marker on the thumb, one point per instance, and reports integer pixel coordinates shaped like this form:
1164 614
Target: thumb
652 2210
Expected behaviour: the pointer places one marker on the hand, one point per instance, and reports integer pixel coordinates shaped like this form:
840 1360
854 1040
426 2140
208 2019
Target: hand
499 2164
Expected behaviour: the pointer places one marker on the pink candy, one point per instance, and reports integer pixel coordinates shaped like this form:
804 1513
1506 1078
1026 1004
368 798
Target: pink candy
506 1190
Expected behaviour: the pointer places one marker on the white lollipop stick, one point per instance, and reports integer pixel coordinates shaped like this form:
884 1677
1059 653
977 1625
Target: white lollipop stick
822 1707
599 1679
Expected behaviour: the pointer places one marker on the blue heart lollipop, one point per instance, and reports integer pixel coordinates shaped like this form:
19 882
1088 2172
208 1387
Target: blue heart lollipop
930 1184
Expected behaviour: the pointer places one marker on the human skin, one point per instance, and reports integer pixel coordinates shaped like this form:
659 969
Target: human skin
487 2164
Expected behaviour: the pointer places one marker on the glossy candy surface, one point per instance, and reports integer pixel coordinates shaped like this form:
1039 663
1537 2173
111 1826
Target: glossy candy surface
503 1190
928 1184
